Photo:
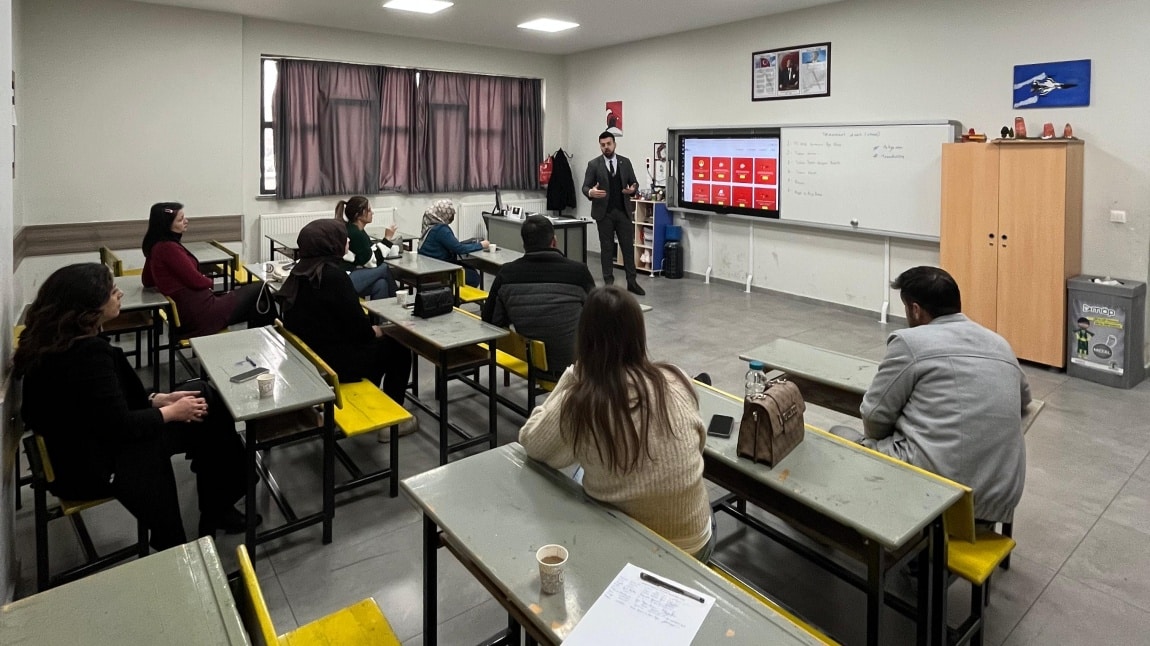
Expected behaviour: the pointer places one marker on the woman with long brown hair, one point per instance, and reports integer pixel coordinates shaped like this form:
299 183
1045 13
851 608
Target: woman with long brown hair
632 424
106 435
370 281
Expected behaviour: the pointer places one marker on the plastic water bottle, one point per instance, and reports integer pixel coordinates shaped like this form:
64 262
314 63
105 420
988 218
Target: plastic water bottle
756 381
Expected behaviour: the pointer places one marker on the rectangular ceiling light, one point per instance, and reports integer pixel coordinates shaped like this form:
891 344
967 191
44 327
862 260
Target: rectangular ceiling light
549 25
420 6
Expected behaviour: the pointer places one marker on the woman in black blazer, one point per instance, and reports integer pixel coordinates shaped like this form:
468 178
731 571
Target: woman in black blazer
105 434
321 307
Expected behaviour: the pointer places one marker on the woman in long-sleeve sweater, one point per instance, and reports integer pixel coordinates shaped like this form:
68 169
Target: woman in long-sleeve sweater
105 434
438 241
633 425
175 272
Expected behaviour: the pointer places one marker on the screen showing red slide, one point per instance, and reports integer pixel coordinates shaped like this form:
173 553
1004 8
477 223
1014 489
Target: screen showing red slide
740 174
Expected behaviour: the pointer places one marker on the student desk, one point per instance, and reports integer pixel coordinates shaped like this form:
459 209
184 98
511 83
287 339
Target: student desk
451 343
209 254
298 387
284 243
873 509
178 596
514 505
138 298
491 261
570 234
417 270
830 379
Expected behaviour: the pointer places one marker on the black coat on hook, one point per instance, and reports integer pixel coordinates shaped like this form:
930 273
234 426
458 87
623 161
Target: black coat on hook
561 189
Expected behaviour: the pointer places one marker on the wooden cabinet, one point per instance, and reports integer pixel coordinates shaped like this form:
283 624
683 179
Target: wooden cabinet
1011 234
651 219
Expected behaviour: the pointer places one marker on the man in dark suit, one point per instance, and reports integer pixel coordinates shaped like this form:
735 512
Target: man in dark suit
609 184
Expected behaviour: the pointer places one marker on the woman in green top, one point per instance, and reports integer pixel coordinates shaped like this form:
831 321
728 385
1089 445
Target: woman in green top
373 282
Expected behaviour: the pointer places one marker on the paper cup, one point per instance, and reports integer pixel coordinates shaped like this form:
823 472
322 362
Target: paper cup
266 384
401 299
491 246
552 559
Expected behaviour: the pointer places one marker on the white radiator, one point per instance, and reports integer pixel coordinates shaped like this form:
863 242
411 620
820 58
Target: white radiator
289 224
469 224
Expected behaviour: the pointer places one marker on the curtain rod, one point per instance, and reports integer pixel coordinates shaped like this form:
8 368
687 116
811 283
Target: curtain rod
402 67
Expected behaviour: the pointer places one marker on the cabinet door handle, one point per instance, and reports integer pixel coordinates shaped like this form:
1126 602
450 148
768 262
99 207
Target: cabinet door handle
991 236
1003 240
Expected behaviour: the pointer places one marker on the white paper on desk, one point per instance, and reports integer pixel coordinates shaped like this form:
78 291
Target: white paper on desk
631 611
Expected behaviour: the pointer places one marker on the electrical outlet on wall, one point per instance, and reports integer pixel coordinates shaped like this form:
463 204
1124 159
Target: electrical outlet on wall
1117 216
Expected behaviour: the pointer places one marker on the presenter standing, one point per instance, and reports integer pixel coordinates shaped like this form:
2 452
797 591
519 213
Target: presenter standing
610 183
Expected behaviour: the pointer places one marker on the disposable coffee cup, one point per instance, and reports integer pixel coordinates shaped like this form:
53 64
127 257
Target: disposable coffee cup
266 384
552 559
401 299
491 246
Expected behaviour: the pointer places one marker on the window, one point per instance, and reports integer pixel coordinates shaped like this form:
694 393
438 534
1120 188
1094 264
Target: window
336 128
269 72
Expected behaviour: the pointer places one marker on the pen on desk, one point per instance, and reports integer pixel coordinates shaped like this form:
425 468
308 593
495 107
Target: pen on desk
250 361
673 588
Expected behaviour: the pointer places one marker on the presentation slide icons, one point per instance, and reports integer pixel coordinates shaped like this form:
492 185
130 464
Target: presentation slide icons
766 171
702 169
743 170
721 169
743 197
766 199
720 194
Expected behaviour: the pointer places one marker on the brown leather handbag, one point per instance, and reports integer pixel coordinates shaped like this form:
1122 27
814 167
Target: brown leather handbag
772 424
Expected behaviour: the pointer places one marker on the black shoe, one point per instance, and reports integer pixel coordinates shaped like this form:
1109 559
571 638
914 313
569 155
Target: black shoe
703 378
231 521
633 287
608 280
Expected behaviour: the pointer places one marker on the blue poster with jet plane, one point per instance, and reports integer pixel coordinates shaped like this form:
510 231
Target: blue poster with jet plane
1052 85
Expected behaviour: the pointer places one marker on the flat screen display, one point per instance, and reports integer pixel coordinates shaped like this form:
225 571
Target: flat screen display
728 174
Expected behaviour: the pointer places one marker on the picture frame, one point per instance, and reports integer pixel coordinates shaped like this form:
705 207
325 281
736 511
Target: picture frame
799 72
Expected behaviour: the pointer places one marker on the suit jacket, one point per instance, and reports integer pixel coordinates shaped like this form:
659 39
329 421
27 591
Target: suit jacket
597 174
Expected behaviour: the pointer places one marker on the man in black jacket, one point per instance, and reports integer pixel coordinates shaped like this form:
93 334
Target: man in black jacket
541 295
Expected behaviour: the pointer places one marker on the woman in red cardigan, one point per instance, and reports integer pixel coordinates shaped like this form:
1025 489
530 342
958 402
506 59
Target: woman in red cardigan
175 272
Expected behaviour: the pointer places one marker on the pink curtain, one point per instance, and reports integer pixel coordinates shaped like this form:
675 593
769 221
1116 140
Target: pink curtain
344 129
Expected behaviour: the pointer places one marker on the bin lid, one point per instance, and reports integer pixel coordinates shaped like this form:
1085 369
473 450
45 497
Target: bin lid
1106 285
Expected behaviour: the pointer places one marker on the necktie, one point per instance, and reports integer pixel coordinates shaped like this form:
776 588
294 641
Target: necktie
611 167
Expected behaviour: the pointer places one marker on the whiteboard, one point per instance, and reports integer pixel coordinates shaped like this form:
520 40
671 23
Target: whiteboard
881 178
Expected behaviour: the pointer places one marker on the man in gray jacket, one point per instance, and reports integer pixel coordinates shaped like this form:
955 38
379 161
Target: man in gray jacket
949 397
610 184
541 295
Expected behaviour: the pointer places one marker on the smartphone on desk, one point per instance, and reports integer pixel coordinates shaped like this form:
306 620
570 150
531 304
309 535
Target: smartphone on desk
248 376
721 426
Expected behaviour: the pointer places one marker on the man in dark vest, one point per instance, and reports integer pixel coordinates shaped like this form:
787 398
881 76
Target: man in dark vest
609 184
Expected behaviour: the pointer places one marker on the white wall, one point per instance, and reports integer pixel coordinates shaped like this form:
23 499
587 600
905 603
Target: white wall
125 104
891 60
7 552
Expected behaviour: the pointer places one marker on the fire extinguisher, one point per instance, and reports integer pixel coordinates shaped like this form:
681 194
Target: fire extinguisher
545 172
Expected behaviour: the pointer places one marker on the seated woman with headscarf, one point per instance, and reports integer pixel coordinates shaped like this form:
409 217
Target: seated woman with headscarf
175 272
320 306
438 240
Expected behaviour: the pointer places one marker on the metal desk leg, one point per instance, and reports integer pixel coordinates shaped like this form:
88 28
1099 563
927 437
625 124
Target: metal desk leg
430 546
492 400
328 470
876 581
250 496
939 578
925 592
157 331
441 395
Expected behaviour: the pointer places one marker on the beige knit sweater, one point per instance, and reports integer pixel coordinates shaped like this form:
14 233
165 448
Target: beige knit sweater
666 493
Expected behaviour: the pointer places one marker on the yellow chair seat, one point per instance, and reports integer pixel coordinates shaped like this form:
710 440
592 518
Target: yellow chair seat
354 625
70 507
366 408
517 366
976 561
469 294
763 599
